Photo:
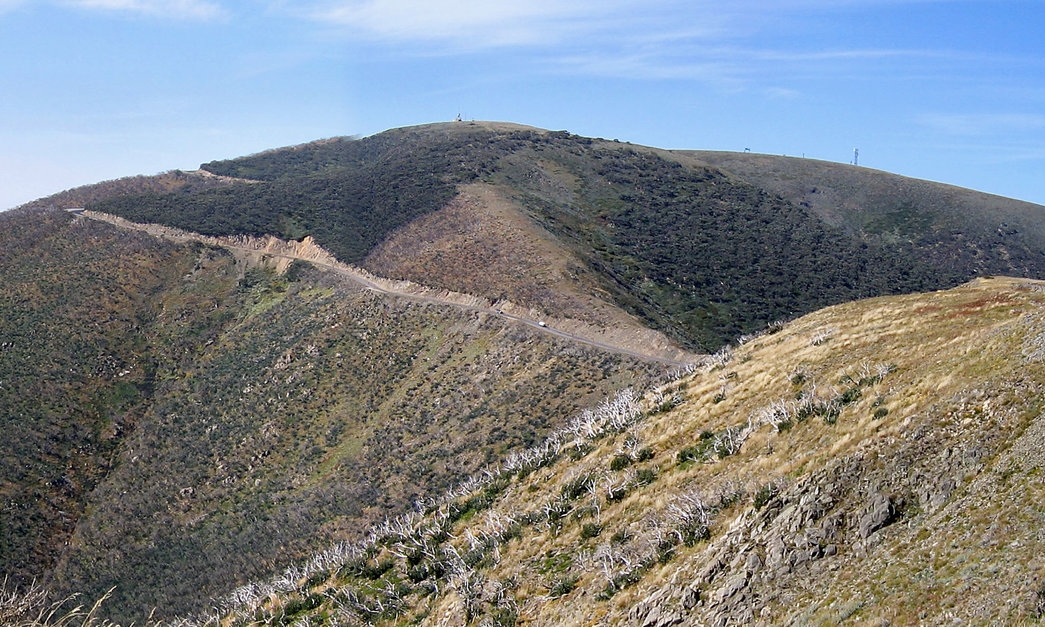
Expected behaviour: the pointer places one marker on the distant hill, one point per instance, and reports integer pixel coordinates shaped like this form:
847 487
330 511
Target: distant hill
703 246
963 227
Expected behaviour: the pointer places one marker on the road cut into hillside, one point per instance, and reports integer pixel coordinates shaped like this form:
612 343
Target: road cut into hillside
644 344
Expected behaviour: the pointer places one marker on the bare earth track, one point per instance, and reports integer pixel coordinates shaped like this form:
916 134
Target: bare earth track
648 345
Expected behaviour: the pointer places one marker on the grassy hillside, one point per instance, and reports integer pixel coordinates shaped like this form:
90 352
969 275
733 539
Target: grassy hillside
181 423
822 473
701 247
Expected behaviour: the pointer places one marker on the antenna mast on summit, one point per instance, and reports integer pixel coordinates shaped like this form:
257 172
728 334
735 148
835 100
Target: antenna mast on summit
856 156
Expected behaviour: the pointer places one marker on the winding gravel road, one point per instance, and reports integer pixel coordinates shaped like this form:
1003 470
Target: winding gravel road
382 286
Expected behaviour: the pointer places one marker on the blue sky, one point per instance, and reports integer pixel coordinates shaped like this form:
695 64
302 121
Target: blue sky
98 89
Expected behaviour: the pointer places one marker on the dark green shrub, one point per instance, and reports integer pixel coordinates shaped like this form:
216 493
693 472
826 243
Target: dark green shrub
698 452
764 494
577 487
694 532
504 617
830 412
562 587
850 395
666 549
577 453
617 493
645 476
299 606
363 567
590 530
296 269
620 462
621 536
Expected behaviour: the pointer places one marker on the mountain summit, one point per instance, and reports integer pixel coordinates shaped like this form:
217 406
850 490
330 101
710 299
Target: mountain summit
703 247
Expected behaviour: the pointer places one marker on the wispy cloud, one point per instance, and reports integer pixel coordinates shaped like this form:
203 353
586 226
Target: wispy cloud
744 43
982 123
740 64
470 25
9 5
649 65
167 9
463 23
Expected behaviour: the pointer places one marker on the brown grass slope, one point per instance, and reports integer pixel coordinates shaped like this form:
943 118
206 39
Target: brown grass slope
877 462
484 243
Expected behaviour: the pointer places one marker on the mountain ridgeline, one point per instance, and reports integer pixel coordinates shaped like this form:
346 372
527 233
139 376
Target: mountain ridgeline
702 253
185 417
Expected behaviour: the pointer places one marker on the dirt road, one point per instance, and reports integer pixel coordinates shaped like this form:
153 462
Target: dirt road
283 253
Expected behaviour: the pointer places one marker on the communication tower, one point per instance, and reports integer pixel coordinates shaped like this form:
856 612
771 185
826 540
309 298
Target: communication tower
856 156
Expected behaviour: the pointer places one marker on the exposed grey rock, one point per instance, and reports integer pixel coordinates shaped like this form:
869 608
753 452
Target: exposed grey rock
690 598
754 563
732 586
880 513
776 552
711 571
940 493
656 611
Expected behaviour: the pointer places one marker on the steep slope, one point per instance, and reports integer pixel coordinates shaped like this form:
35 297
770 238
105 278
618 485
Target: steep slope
822 473
182 421
702 247
79 357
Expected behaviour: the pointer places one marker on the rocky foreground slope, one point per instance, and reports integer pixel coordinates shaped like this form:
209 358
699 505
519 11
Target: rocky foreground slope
879 462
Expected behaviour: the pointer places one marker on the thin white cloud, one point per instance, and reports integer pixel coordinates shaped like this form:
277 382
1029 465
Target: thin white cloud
697 40
166 9
735 65
782 93
465 23
9 5
652 65
982 123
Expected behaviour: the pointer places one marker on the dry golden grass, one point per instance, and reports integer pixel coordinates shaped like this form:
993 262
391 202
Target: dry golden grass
30 607
932 400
